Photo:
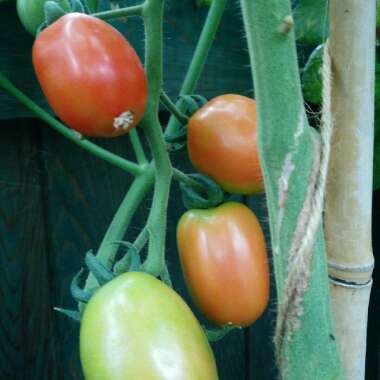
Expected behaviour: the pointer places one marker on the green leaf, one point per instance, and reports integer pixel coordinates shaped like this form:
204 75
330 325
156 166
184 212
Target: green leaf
311 21
312 78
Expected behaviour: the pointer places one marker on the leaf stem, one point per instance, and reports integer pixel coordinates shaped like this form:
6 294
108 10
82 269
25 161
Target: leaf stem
206 39
70 134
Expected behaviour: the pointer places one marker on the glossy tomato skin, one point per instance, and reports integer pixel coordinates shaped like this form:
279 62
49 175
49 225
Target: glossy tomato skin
224 262
136 327
89 74
222 143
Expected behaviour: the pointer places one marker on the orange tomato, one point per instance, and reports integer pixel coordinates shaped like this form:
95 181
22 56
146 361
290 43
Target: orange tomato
224 262
222 143
90 75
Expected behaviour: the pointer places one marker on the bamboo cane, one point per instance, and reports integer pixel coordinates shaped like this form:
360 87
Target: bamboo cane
349 188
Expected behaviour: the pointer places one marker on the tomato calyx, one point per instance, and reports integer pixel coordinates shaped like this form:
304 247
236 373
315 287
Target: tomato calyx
208 194
53 11
190 104
130 262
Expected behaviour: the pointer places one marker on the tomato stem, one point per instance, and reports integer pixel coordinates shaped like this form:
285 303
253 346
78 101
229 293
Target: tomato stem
134 10
137 146
205 42
171 107
108 249
157 220
184 178
71 135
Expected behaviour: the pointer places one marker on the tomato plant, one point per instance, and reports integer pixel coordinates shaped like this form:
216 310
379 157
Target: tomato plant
90 75
31 12
222 143
224 261
136 327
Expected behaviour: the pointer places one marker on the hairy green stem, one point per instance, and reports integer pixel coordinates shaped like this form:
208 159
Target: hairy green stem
171 107
134 10
156 224
71 135
287 156
137 147
116 230
205 42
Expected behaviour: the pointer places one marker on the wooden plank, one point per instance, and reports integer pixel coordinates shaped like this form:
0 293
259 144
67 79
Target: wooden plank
226 69
27 344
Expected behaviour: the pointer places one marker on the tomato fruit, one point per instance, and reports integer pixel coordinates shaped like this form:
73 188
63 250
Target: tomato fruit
31 12
222 143
224 262
90 75
135 327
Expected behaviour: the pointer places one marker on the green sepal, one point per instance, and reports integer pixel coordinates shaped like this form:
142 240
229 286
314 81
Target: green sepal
72 314
211 194
78 6
192 103
312 77
77 292
131 262
53 11
178 136
214 335
165 276
100 272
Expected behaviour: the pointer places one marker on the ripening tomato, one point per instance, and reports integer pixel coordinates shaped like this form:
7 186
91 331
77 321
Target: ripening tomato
224 262
91 76
137 328
222 143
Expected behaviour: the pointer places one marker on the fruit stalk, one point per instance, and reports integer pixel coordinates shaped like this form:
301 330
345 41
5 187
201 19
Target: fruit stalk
349 195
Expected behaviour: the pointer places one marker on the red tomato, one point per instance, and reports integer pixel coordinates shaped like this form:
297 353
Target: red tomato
224 261
222 143
90 75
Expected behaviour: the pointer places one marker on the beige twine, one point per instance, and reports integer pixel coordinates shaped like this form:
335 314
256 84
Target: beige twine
290 308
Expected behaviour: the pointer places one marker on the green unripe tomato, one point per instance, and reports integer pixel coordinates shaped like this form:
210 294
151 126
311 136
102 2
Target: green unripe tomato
31 12
137 328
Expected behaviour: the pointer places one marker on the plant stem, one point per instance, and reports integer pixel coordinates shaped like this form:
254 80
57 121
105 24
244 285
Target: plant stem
288 156
156 224
134 10
138 148
171 107
184 178
205 42
70 134
116 230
